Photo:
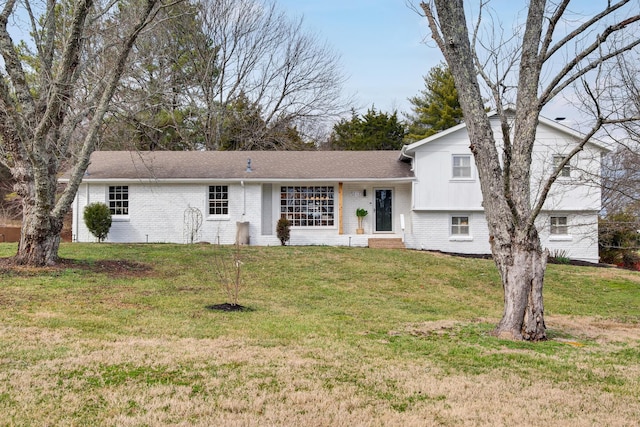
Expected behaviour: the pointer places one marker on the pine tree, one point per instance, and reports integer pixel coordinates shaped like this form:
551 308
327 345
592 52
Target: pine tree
436 108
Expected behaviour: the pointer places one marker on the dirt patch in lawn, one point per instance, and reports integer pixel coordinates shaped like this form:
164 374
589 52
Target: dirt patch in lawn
113 268
594 328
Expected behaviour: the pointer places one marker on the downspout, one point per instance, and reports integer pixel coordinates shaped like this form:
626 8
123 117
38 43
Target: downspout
340 213
244 199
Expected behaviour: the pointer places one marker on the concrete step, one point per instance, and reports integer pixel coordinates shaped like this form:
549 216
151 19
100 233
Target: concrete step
382 243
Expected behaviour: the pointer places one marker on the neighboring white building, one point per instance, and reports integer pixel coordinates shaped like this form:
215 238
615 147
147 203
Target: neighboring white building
428 195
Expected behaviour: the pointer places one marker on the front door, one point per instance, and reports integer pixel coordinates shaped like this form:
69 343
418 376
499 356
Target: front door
384 217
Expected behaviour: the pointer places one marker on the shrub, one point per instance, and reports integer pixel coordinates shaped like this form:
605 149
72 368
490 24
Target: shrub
283 231
618 238
630 259
559 256
97 218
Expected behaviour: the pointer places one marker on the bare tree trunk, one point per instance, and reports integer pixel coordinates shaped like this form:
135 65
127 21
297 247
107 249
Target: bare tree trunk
37 140
40 232
515 244
39 239
522 270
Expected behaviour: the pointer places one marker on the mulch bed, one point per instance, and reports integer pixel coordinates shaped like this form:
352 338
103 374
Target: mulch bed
112 268
550 261
227 307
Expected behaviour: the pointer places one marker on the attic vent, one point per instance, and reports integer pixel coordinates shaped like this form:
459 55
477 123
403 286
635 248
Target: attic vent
249 165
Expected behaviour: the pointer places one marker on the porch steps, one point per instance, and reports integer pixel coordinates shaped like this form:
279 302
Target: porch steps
386 244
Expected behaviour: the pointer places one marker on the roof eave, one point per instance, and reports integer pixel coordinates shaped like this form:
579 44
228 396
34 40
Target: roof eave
235 179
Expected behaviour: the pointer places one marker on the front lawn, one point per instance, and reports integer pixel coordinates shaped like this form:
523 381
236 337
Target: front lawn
122 335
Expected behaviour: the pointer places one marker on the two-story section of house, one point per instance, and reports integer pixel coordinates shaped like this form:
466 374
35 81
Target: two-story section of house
447 212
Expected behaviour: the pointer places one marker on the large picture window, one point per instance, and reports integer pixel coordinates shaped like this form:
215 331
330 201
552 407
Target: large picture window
119 199
218 200
307 206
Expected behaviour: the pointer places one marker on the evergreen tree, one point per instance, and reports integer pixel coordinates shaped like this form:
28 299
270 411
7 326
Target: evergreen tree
436 108
372 131
244 129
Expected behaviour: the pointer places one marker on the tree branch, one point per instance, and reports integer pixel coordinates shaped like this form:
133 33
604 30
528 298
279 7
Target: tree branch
575 33
91 137
557 84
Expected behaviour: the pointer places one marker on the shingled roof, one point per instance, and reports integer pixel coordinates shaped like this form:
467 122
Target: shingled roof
265 165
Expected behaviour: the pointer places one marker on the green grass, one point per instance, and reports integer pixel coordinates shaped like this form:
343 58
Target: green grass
377 334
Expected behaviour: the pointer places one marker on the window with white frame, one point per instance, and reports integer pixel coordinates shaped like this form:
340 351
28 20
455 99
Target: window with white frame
119 199
566 169
461 166
559 226
459 225
218 200
307 206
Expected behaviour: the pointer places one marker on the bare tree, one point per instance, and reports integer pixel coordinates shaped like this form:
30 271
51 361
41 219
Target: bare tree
292 77
621 180
43 105
528 69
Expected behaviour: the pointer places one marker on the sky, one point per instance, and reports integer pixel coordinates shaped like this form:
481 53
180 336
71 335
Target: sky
381 43
386 48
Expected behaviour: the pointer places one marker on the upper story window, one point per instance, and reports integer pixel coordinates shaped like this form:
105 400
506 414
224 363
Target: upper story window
459 225
566 169
218 200
119 199
307 206
559 226
461 166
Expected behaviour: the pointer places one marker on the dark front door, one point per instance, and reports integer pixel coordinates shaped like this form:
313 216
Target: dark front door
384 217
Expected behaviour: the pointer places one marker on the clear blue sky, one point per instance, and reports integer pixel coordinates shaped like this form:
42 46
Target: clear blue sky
386 47
381 45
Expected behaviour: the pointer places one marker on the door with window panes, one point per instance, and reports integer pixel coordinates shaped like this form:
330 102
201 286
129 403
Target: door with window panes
384 210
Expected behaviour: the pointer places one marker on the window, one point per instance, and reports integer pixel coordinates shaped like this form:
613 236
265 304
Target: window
459 225
559 226
566 169
462 166
119 199
307 206
218 200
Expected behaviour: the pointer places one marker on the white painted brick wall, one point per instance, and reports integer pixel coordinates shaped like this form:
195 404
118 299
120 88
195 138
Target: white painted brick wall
431 232
582 241
157 215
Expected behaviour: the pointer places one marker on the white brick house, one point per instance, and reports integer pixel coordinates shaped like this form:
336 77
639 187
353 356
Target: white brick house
428 194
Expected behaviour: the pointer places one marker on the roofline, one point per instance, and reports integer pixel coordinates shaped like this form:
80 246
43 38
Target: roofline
406 149
238 180
579 135
414 145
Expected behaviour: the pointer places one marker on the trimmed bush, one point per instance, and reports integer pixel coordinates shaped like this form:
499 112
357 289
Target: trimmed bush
97 218
283 231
